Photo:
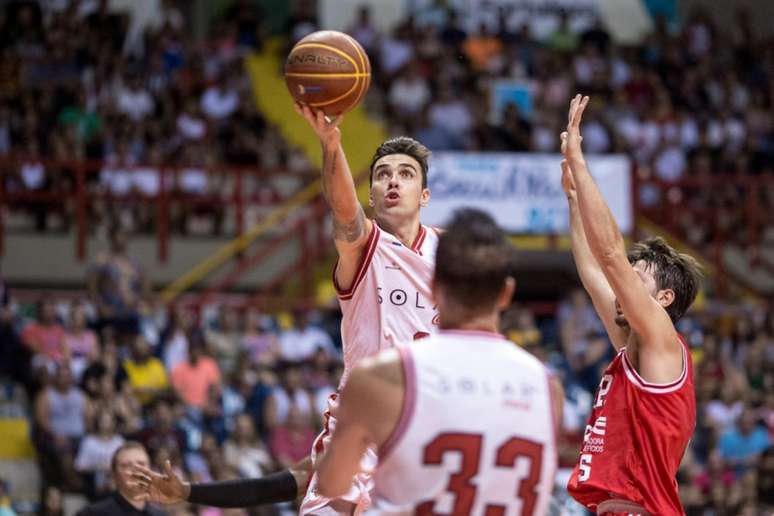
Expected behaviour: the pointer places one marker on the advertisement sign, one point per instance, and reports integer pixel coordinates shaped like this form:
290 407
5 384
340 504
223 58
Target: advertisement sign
523 192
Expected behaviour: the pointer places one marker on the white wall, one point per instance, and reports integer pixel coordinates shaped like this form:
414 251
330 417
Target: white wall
340 14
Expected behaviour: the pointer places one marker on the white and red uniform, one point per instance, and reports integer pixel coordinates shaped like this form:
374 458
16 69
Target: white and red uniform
390 301
634 441
476 433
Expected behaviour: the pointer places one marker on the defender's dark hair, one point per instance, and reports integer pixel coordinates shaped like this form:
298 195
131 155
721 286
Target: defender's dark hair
473 259
672 270
402 145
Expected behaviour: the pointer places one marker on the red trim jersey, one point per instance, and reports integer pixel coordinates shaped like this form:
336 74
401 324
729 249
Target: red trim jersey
635 439
476 432
390 299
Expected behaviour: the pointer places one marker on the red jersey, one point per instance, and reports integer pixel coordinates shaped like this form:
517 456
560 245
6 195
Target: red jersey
635 439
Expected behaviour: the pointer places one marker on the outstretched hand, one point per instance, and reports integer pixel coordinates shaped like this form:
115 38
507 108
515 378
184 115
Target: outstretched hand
571 138
327 129
166 488
568 181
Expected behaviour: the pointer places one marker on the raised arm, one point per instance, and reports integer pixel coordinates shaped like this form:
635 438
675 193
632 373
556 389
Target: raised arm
660 353
590 272
370 407
350 225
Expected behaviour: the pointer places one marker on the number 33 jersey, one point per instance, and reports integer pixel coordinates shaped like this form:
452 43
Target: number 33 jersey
635 439
476 434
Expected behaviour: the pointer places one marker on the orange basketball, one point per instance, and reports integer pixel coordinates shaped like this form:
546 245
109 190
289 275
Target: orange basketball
328 70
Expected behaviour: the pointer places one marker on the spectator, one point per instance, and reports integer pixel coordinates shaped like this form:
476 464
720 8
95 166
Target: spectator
563 39
290 394
146 373
482 49
124 499
174 338
80 342
225 340
117 285
45 337
300 342
220 100
292 440
451 112
62 414
134 100
259 341
194 378
96 452
118 400
162 432
245 452
364 30
742 445
409 93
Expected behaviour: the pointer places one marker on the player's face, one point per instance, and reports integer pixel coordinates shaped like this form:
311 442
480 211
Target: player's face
397 186
645 273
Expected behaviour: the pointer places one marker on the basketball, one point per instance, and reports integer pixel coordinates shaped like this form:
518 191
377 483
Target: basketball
328 70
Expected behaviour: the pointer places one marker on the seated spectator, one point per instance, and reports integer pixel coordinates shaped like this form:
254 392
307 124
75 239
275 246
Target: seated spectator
80 341
409 93
194 378
96 452
117 284
161 431
62 414
118 400
259 341
134 100
722 414
124 500
174 338
225 339
220 100
292 440
301 342
45 337
563 38
482 48
245 452
742 445
451 112
290 394
146 373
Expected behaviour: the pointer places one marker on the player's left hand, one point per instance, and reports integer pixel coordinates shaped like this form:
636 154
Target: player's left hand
571 138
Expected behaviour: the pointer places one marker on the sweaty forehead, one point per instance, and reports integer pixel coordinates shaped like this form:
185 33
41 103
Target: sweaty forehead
396 160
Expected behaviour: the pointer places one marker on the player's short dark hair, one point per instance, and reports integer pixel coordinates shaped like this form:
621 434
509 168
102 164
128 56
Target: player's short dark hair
473 259
402 145
128 445
672 270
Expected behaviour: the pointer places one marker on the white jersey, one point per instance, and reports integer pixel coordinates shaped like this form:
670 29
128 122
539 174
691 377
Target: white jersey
476 433
390 299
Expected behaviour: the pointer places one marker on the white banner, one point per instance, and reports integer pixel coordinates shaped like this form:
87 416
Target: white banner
523 192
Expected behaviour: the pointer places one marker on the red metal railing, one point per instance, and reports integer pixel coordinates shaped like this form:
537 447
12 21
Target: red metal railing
86 191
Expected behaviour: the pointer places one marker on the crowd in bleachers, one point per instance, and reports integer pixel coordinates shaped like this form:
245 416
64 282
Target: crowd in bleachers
236 392
83 83
691 102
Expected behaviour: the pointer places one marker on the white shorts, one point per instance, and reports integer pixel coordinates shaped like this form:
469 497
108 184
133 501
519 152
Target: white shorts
358 498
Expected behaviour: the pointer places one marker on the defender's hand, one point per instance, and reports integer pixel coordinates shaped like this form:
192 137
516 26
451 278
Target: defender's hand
166 488
571 138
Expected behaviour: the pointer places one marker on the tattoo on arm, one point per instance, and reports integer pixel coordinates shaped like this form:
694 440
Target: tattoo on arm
349 231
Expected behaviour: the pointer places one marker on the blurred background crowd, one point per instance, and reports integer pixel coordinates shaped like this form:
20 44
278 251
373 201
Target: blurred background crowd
231 391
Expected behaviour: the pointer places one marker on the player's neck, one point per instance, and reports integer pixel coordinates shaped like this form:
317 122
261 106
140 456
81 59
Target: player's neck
404 229
449 320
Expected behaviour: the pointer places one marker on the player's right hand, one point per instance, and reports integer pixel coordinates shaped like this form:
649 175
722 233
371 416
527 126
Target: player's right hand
166 488
325 128
571 138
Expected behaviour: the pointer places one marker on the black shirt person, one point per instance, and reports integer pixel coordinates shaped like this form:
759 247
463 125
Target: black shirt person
123 500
